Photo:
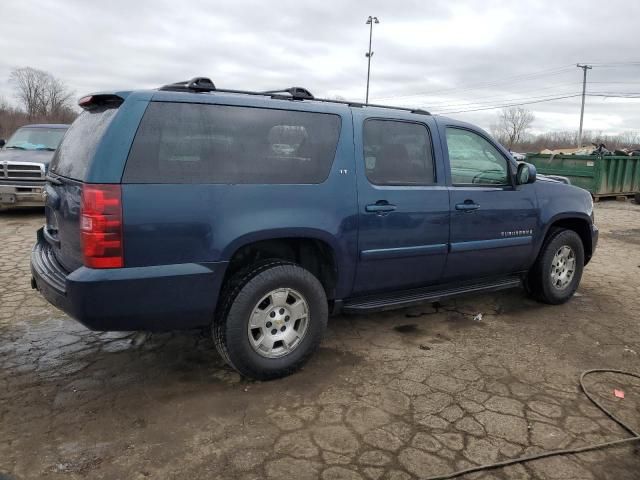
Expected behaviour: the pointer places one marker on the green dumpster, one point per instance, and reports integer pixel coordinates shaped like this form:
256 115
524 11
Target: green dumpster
603 176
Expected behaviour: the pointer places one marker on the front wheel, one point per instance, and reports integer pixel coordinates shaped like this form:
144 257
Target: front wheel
273 319
556 274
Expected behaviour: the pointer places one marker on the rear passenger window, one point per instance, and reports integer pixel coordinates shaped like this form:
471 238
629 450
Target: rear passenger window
199 143
398 153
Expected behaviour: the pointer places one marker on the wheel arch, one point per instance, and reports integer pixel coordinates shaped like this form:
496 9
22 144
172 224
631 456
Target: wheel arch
312 249
579 223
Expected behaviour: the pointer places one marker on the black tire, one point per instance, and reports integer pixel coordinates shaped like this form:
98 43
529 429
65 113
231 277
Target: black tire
240 297
539 281
636 197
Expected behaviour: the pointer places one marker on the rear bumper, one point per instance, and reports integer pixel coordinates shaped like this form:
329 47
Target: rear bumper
15 196
157 298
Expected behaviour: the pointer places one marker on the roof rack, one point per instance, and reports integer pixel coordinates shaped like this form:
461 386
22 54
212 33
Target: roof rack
418 111
204 84
197 84
297 93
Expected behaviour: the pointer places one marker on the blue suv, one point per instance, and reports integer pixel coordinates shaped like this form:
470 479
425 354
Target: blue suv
259 214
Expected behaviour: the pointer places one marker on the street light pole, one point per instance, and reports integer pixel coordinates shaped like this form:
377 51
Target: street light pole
584 90
370 21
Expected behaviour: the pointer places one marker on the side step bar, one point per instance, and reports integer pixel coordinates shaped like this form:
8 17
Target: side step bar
408 298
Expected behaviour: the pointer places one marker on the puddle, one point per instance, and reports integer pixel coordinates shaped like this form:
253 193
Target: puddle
410 328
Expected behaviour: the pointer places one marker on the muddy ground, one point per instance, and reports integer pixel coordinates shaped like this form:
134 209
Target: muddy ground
395 396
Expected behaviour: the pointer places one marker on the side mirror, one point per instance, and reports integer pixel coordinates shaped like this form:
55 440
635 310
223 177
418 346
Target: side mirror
526 173
2 142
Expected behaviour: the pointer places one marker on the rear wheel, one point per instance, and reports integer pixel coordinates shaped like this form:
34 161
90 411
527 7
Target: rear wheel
556 275
273 319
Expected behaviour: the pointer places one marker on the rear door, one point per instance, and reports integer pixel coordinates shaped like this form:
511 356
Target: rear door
63 190
492 220
403 203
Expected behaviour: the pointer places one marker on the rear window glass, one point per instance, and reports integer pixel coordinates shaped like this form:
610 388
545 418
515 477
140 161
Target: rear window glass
198 143
80 143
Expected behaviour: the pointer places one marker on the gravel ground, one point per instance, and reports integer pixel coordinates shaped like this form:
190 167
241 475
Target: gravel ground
392 396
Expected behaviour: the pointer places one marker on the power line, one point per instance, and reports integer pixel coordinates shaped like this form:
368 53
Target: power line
494 107
615 95
505 80
513 104
615 64
513 79
499 102
504 98
615 83
496 99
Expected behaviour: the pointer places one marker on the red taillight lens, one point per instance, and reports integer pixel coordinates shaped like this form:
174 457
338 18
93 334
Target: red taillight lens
101 226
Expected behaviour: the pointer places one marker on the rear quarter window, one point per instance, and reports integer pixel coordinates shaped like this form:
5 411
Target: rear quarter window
79 145
201 143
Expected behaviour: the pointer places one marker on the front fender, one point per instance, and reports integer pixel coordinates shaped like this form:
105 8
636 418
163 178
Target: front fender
566 205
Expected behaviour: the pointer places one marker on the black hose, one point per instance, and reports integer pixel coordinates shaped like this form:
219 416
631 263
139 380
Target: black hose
568 451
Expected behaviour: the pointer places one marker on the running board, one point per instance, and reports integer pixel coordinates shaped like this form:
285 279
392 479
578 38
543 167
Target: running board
408 298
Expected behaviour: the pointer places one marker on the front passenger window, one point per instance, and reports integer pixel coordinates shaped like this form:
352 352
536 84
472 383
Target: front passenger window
474 161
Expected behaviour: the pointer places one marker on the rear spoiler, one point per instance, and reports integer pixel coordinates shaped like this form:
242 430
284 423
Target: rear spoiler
96 100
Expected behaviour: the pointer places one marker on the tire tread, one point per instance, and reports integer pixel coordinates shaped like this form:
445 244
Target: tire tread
234 291
536 278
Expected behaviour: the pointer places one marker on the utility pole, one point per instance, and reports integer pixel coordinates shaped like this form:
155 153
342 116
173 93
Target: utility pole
584 90
370 21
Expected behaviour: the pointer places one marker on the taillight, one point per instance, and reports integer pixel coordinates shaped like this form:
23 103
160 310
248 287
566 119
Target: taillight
101 226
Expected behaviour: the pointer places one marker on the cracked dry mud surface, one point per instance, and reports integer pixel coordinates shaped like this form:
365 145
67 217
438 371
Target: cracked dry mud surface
394 396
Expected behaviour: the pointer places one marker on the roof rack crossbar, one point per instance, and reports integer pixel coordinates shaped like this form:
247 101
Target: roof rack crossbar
204 84
196 84
297 93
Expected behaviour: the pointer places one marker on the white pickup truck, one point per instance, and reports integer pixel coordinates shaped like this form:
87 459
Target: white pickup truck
24 160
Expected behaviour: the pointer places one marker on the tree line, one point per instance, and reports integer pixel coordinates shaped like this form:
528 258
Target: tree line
512 129
41 98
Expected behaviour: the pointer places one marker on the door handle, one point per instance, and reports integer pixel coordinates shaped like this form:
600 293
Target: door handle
380 207
467 206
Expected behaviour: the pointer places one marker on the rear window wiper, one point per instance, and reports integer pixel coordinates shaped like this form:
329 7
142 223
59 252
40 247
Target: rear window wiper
16 147
49 149
53 180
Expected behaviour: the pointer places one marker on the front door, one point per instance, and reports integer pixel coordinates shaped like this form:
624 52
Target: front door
403 204
492 220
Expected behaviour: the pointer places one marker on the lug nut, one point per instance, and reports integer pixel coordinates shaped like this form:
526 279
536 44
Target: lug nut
274 331
268 324
283 329
281 311
272 314
286 319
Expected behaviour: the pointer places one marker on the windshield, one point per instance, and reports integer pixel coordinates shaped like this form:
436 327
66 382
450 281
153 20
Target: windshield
27 138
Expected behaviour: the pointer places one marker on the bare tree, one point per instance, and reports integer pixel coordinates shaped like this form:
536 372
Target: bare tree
512 125
29 87
40 93
629 138
58 99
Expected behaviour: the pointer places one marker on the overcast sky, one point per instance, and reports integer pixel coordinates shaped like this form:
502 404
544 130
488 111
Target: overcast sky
445 56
